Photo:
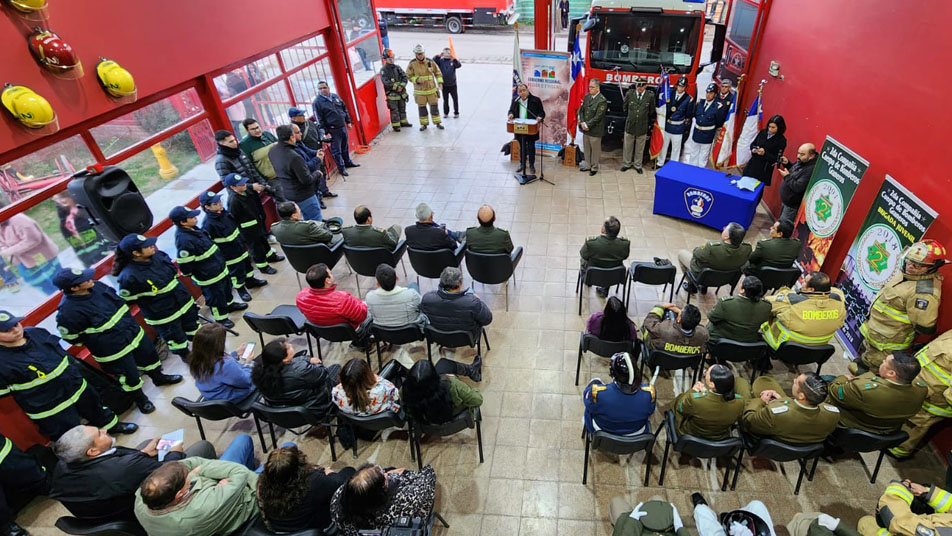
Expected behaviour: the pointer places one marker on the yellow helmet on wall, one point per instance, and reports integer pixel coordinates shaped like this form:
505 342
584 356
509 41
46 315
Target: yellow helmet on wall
28 107
117 81
34 10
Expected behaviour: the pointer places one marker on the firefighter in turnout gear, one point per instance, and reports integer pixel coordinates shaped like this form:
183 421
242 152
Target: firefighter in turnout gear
200 258
91 314
245 206
936 362
809 317
931 516
148 277
906 305
427 83
395 86
37 372
223 230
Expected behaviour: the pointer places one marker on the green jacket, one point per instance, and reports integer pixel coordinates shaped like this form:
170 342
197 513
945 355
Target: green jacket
658 521
303 232
368 236
488 240
639 111
604 252
592 112
738 318
706 415
773 252
257 150
719 255
874 404
463 396
209 509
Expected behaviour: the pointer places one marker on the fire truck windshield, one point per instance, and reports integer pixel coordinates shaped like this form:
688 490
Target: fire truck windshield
643 42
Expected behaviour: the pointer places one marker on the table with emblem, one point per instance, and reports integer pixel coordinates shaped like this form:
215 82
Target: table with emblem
705 196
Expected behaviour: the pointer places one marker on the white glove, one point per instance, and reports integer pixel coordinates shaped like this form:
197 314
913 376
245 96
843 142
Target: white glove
736 529
676 520
637 514
828 521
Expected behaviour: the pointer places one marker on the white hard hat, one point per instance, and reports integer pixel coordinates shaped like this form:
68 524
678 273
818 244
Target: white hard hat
418 49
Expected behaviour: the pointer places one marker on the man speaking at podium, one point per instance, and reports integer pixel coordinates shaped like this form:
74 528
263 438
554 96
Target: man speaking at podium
526 106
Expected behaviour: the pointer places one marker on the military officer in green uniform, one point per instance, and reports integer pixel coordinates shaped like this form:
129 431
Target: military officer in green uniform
591 119
819 524
738 318
365 235
804 418
729 254
654 517
607 250
880 402
487 238
712 406
778 251
639 106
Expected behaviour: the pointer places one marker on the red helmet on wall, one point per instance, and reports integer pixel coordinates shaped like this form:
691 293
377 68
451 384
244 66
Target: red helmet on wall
54 54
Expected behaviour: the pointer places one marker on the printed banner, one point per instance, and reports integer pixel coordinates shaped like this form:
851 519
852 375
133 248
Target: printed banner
835 179
896 220
549 77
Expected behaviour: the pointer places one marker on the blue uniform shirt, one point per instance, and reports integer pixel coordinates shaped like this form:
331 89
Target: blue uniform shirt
331 112
100 321
39 375
199 257
616 412
707 117
223 230
155 287
679 111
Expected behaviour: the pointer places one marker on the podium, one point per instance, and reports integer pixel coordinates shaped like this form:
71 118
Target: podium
525 127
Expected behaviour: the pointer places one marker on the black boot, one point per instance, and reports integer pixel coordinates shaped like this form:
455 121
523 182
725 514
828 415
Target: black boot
254 282
697 499
145 405
475 371
237 306
124 428
159 378
228 324
243 294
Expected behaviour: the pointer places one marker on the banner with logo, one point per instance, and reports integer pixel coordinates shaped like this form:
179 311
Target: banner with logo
896 220
835 179
549 77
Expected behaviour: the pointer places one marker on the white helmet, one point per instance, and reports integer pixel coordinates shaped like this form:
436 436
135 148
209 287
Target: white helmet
418 49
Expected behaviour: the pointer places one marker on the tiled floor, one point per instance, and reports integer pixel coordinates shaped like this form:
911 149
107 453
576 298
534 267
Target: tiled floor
530 482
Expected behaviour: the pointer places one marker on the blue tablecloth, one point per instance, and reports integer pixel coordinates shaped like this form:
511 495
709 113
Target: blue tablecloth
702 195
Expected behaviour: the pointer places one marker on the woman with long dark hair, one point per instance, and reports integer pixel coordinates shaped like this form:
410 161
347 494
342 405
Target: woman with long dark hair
295 495
738 318
434 398
613 323
217 374
766 149
374 498
289 378
712 406
361 392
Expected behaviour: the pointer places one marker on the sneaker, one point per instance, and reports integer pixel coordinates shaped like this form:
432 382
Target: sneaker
124 428
268 270
243 294
16 530
520 169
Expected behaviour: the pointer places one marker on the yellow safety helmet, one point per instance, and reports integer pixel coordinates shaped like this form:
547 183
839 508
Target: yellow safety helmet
117 81
27 106
27 6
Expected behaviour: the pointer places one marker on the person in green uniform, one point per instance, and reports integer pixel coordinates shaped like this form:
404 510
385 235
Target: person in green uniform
778 251
738 318
712 406
654 517
802 418
591 119
639 105
607 250
880 402
487 238
365 235
819 524
729 254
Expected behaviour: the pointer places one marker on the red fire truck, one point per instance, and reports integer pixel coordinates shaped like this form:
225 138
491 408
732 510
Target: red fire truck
455 16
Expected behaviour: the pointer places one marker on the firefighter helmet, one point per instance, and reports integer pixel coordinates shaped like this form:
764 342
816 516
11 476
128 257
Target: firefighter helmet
116 80
27 6
928 252
623 371
53 53
388 54
27 106
418 49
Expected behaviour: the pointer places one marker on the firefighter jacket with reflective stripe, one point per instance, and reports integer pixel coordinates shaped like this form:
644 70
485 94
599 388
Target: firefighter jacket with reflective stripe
155 287
906 304
394 82
39 375
248 213
896 512
223 230
199 257
807 318
425 76
874 404
936 362
101 321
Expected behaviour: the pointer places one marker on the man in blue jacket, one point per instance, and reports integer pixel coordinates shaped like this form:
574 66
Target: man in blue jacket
680 106
707 119
448 65
331 112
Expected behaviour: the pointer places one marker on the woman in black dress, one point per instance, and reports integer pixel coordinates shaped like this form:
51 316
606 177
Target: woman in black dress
766 148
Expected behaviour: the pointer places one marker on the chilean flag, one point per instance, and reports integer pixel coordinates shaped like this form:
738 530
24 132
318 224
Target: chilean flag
516 65
577 93
723 148
752 125
657 135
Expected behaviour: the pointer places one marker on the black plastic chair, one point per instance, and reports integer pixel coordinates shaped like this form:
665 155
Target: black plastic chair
377 423
283 320
775 278
257 528
292 417
219 410
778 451
697 447
493 268
854 440
618 444
650 273
454 339
430 264
120 527
711 278
336 333
590 343
397 335
365 261
463 420
726 350
303 257
600 277
654 358
795 353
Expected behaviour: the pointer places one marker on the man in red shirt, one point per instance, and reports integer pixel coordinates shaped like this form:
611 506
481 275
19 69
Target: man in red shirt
322 304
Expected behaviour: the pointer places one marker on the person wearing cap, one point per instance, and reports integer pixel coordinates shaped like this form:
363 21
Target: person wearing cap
314 159
395 86
224 231
639 105
244 205
591 120
45 383
294 230
707 117
312 135
21 479
91 314
753 519
680 106
201 259
230 159
448 64
622 407
725 96
297 182
654 516
331 113
427 81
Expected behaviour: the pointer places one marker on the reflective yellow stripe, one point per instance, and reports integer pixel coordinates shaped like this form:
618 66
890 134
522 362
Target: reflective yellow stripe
425 77
61 406
52 375
129 388
240 258
898 452
425 91
217 278
129 347
7 446
898 490
197 258
929 365
177 345
172 316
170 286
245 225
111 323
883 532
940 501
884 346
228 238
895 314
787 335
938 411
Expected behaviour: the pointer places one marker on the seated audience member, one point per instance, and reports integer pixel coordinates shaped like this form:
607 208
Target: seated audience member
672 329
218 375
453 308
613 323
754 518
810 316
778 251
487 238
365 235
738 318
622 407
804 418
711 407
362 393
607 250
730 253
197 497
433 396
294 230
909 509
654 516
375 499
295 495
286 378
392 305
21 479
322 304
429 236
880 402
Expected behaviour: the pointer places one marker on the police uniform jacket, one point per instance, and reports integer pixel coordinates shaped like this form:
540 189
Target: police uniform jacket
368 236
774 252
489 239
738 318
639 111
807 317
223 230
789 421
725 101
706 415
429 236
707 117
906 305
331 112
874 404
100 321
199 257
679 112
609 409
592 113
394 81
155 287
247 210
719 255
667 335
895 511
303 232
604 252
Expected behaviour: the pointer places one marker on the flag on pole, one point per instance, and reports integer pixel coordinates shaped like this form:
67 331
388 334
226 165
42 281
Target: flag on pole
724 144
516 63
657 134
577 92
452 49
752 125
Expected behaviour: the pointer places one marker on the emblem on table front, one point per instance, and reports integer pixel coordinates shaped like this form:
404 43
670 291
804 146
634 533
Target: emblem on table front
698 202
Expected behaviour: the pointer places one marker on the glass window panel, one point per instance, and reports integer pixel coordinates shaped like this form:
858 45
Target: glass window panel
269 106
136 126
304 82
25 176
365 59
237 80
308 49
356 16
